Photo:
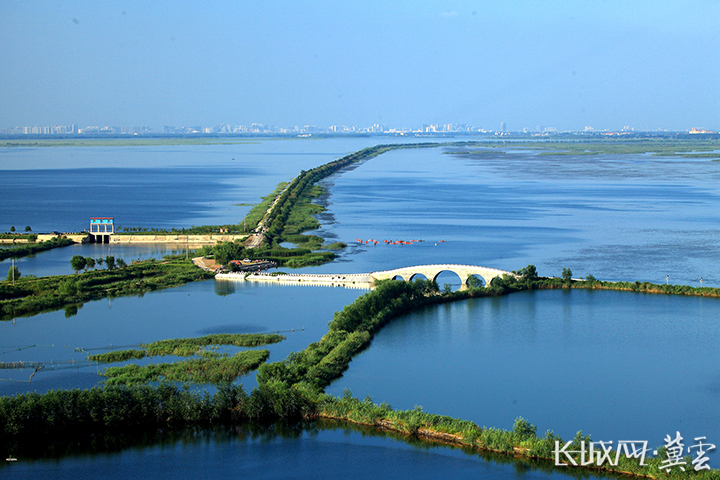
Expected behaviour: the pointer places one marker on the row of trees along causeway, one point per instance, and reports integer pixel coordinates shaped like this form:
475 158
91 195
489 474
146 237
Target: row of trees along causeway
78 262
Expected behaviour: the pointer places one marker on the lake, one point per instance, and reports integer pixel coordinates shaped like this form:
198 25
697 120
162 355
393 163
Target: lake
613 364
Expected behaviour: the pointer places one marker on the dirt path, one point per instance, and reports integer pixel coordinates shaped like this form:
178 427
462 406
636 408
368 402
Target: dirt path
206 264
256 239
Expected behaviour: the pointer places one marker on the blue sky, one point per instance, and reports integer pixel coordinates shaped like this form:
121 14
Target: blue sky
564 64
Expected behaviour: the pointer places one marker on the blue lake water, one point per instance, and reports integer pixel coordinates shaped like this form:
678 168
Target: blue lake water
318 453
613 364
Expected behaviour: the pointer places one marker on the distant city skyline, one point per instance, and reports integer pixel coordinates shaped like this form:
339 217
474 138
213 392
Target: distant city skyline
251 128
567 64
257 128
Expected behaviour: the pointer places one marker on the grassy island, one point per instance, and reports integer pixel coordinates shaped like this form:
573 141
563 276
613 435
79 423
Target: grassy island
210 367
187 347
30 296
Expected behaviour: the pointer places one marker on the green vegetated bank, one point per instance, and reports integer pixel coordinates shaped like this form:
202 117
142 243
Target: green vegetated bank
186 347
256 213
207 369
31 248
30 296
644 287
211 367
294 388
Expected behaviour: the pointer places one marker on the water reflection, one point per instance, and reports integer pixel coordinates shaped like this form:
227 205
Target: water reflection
317 449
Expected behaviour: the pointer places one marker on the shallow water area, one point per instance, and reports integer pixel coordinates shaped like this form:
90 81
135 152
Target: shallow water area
300 313
57 260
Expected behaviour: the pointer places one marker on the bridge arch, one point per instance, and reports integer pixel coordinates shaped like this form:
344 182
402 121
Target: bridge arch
417 276
449 279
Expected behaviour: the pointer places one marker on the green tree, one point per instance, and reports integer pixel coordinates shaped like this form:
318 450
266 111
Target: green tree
13 274
530 272
28 229
121 263
68 288
89 263
12 229
110 262
523 430
567 275
447 288
227 251
590 279
77 263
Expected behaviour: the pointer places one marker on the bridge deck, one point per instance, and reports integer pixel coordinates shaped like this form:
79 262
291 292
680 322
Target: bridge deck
366 280
361 280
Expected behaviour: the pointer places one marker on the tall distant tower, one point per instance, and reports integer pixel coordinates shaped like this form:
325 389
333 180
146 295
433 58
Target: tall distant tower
503 127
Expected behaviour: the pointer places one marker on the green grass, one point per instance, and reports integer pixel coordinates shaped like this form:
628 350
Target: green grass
187 347
256 214
31 296
25 249
197 370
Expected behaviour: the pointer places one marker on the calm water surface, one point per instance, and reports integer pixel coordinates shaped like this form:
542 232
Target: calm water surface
313 452
616 365
613 364
195 309
629 217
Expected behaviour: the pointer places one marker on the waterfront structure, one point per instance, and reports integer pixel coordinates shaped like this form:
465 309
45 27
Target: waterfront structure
101 228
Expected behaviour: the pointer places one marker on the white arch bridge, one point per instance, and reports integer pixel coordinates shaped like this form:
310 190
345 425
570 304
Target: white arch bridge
367 280
431 272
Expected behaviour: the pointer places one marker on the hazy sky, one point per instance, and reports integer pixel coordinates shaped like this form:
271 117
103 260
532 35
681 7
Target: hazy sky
566 64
